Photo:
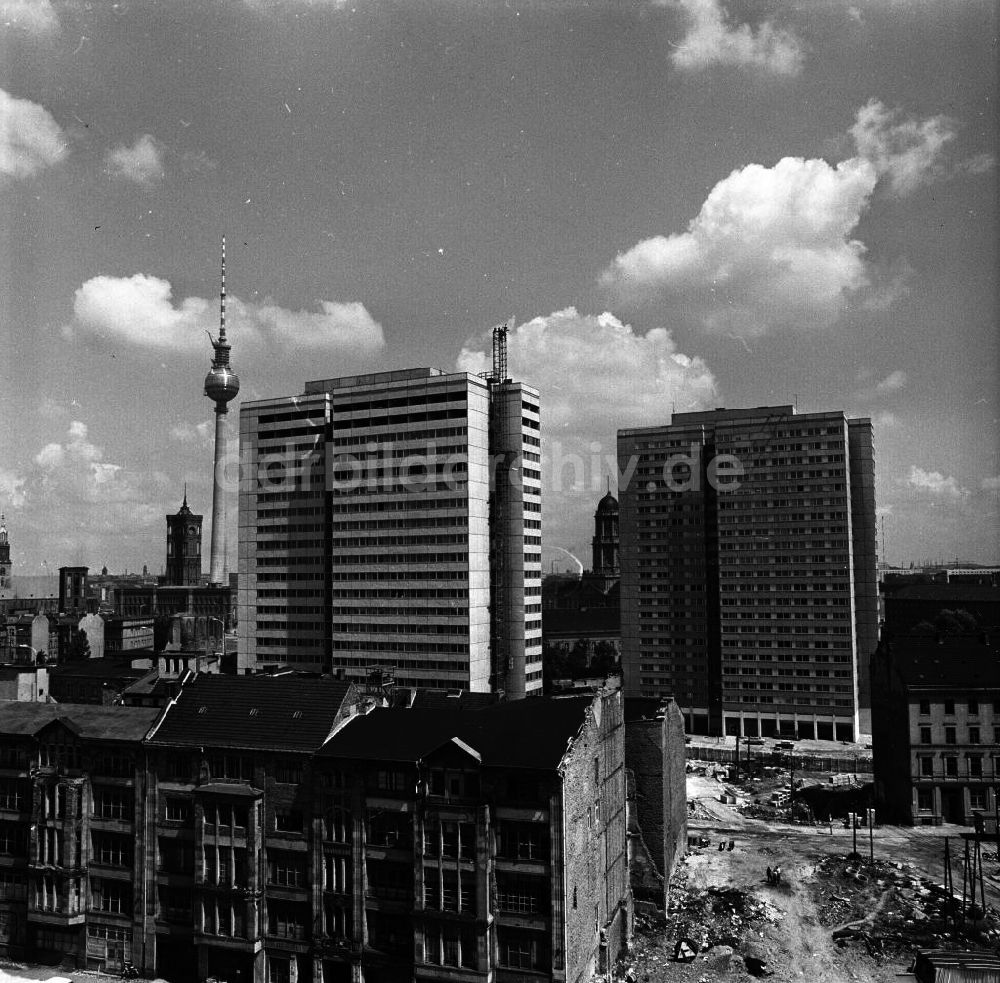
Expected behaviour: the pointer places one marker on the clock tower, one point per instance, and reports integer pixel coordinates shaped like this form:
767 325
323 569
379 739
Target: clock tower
5 582
184 547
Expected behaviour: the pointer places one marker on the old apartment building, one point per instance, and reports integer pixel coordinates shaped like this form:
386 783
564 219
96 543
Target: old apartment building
282 829
936 738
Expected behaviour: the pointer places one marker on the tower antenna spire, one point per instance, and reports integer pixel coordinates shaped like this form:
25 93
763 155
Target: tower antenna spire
222 296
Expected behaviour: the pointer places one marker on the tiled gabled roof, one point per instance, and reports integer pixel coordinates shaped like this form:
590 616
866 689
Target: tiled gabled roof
287 712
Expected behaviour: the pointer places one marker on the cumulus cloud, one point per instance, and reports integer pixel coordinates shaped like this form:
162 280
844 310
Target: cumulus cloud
710 40
885 420
906 151
892 383
991 484
11 489
770 245
140 310
141 163
595 374
775 246
187 433
935 483
35 17
30 139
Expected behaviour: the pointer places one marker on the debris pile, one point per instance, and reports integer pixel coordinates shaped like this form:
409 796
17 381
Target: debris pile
891 911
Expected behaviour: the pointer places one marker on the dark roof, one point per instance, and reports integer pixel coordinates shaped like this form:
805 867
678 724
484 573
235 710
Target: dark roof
943 593
608 504
285 712
530 733
98 668
91 722
955 662
439 699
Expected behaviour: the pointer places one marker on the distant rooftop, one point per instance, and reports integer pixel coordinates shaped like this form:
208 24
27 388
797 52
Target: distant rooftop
91 722
959 662
371 379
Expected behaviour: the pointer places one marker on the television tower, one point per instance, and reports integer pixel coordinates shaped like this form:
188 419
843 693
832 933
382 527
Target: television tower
221 386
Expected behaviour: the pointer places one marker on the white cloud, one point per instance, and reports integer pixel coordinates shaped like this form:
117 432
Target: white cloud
935 483
141 163
35 17
595 374
892 383
30 139
991 484
908 152
771 245
140 310
885 420
11 489
711 41
775 245
187 432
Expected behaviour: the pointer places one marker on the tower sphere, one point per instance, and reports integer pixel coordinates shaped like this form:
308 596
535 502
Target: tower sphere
221 384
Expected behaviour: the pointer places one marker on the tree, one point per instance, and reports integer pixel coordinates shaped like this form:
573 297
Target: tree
79 647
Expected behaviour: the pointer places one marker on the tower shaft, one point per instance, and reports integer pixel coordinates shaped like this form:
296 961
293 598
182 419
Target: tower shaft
217 567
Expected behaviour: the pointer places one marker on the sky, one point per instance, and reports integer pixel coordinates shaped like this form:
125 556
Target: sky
679 204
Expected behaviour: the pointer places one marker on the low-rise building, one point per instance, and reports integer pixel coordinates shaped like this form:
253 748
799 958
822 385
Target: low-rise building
936 737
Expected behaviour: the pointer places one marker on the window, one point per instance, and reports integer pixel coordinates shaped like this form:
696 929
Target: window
113 803
288 772
523 895
524 841
112 850
976 765
12 795
925 735
977 798
949 735
951 767
925 799
522 950
177 810
175 856
391 829
337 824
286 919
286 869
13 842
926 766
390 779
925 707
113 896
229 767
288 821
174 905
973 735
949 708
973 708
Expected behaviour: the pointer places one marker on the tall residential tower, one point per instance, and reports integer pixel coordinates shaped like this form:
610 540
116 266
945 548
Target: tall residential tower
749 589
221 386
374 538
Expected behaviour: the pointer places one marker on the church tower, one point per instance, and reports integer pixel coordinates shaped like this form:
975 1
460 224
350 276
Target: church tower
184 547
605 543
6 588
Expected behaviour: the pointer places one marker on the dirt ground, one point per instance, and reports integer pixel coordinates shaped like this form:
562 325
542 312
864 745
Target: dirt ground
721 900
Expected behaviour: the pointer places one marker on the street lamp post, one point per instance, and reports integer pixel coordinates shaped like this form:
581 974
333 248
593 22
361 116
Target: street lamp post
208 636
871 836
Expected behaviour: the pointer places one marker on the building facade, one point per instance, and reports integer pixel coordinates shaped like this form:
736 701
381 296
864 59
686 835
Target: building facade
749 589
375 533
936 737
6 583
264 830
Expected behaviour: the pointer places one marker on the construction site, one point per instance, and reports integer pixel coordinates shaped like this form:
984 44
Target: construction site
789 876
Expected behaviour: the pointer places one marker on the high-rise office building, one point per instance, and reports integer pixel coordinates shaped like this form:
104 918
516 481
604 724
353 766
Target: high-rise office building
748 588
373 538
